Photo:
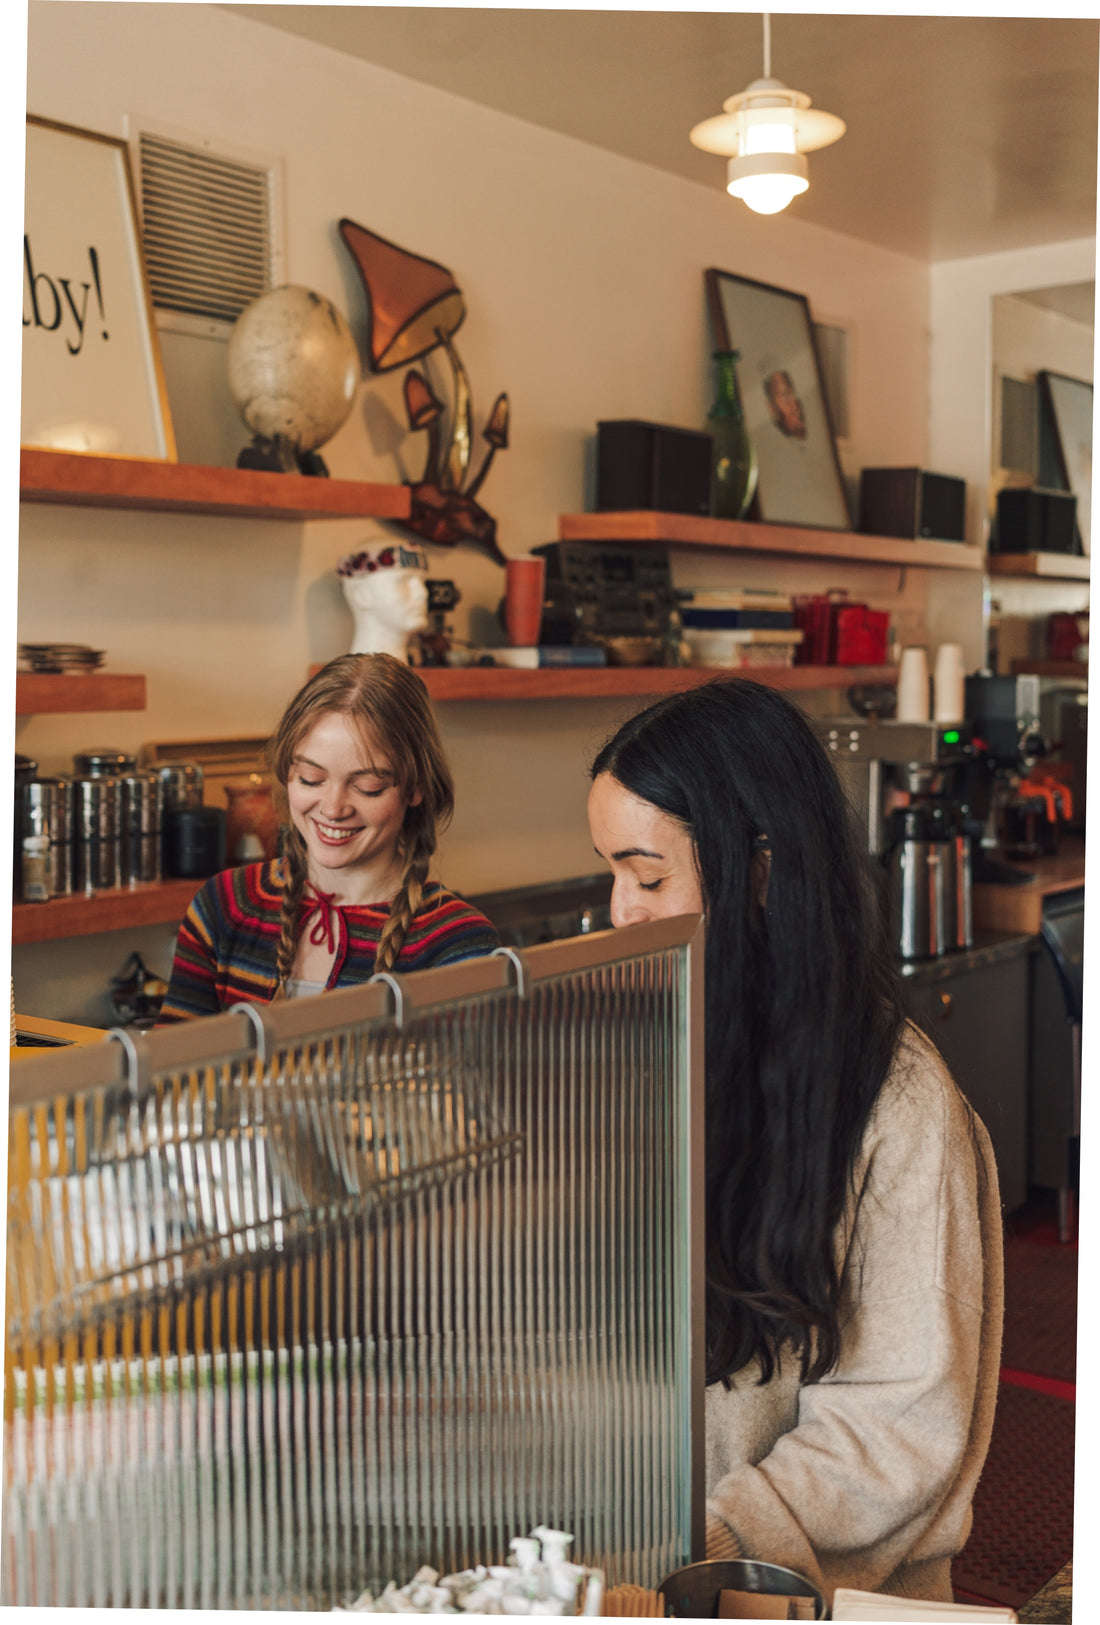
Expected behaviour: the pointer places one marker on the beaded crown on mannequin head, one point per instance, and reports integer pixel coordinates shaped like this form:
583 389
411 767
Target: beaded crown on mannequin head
385 587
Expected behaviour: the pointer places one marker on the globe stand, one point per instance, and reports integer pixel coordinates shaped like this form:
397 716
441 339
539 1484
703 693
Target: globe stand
275 454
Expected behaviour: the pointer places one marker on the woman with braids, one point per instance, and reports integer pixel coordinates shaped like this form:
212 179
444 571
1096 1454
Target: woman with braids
361 770
853 1232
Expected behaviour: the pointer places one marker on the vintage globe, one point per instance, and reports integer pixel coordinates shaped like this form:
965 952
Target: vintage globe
293 367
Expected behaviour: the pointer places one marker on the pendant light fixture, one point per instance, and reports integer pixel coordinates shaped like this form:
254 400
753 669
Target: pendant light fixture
765 131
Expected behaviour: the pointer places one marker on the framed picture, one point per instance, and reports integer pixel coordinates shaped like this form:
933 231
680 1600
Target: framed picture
779 377
1065 434
92 374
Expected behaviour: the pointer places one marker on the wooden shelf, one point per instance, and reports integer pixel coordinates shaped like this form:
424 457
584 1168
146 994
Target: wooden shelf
39 692
81 480
740 535
609 682
1024 667
161 903
1045 566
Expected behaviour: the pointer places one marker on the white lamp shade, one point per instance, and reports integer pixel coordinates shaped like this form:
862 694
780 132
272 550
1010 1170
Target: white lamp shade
769 129
766 129
722 134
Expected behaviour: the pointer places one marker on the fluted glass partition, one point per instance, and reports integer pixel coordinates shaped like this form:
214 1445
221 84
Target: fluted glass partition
300 1299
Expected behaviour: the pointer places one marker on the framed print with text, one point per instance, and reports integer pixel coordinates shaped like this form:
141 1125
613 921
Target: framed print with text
92 374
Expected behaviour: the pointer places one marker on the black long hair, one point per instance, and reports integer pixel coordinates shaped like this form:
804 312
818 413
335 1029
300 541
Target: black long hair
803 1004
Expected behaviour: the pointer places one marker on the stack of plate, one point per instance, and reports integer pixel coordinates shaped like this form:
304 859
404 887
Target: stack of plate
59 657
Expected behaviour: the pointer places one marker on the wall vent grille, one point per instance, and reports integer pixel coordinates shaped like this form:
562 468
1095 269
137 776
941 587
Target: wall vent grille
832 352
206 225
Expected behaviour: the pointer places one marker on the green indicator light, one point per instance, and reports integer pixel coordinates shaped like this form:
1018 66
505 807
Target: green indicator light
952 736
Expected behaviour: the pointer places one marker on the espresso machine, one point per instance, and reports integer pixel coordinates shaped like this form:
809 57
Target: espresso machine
907 780
1011 820
936 800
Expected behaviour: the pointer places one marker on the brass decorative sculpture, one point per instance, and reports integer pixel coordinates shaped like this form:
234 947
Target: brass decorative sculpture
415 308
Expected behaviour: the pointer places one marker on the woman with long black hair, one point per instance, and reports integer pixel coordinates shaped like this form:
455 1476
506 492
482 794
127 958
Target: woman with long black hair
853 1254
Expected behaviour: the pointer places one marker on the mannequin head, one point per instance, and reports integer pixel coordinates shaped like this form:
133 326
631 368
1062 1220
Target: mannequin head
386 591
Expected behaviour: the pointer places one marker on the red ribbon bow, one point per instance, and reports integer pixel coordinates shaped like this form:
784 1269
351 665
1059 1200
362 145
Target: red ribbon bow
323 904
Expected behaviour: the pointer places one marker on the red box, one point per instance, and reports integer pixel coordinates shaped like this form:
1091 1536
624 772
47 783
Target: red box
814 615
837 633
861 636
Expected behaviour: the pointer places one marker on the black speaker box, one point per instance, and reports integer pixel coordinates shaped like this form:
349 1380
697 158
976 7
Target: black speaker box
1032 519
649 465
912 502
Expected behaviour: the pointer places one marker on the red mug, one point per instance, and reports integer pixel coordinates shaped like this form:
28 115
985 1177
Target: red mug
524 584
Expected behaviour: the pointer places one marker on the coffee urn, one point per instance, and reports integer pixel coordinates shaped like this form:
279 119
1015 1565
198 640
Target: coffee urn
924 842
916 863
957 905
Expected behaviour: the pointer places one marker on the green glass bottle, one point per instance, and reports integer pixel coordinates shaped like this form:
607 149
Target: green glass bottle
734 469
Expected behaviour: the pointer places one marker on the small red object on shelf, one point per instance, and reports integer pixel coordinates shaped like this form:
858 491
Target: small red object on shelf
838 633
861 636
813 614
1065 635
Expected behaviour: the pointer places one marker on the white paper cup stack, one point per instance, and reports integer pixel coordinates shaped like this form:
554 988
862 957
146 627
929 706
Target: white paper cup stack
948 684
913 701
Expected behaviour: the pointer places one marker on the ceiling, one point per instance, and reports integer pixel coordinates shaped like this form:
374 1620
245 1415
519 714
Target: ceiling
966 135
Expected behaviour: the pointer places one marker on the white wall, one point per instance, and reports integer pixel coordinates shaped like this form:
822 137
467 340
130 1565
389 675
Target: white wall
582 274
961 355
960 427
1026 338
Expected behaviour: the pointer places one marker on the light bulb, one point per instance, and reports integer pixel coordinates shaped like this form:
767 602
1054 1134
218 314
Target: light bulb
767 194
767 182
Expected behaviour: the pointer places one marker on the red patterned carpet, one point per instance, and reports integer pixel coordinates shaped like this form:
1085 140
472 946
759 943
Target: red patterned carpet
1023 1509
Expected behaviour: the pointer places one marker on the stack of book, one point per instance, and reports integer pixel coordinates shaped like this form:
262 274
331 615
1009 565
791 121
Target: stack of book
739 626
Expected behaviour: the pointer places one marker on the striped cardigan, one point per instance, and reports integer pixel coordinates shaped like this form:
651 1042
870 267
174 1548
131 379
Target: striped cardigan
226 948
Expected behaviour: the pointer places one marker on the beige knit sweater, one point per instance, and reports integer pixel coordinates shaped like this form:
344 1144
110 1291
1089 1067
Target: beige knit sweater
866 1478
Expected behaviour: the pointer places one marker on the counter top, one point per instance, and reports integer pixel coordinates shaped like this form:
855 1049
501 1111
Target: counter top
37 1034
1053 1605
1020 908
989 947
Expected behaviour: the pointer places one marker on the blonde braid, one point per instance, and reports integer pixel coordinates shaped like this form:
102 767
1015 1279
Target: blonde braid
294 866
405 904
